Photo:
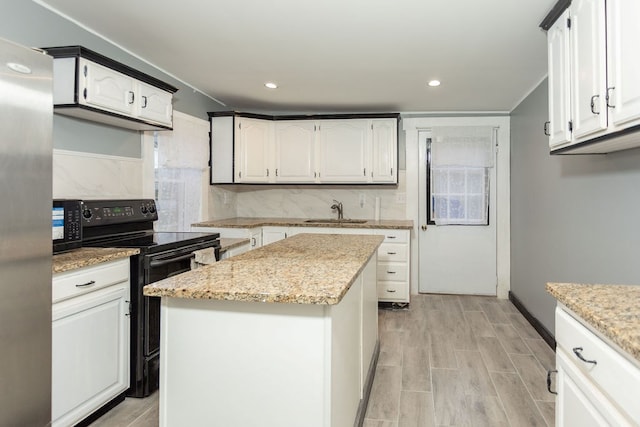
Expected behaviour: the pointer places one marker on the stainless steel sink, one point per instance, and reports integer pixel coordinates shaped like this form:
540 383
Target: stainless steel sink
336 221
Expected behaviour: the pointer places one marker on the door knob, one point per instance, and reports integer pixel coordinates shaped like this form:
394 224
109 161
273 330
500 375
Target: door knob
424 227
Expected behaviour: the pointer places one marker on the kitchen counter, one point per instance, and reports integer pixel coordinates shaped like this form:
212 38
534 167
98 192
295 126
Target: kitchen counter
611 310
303 269
85 257
288 331
241 222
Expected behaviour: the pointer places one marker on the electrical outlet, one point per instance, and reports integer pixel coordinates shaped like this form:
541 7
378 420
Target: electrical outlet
363 199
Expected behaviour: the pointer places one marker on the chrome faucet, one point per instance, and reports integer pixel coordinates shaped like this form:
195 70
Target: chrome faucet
337 205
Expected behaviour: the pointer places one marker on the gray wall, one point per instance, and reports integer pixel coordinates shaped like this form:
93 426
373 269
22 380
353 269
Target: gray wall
573 218
28 23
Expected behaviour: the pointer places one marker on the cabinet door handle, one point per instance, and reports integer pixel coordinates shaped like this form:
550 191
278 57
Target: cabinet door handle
253 241
144 102
391 237
391 290
546 128
364 172
84 285
132 97
391 272
593 104
578 352
609 89
276 171
267 172
549 381
391 253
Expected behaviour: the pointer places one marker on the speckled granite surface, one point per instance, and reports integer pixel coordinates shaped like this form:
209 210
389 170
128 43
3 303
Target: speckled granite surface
613 310
300 222
303 269
85 257
227 243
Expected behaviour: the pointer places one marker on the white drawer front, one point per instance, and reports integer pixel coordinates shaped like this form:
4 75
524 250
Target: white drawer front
394 236
391 252
77 282
392 291
612 372
392 271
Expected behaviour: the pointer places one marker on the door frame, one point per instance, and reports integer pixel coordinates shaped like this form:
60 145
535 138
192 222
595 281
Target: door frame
412 126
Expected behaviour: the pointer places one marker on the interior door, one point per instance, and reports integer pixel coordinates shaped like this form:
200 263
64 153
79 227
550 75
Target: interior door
456 259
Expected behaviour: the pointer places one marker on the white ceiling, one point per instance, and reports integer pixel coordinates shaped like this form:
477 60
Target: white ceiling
334 55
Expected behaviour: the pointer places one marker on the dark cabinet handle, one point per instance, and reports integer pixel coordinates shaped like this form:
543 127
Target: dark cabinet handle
593 104
391 272
578 352
609 89
84 285
144 102
546 128
391 290
391 253
549 381
132 97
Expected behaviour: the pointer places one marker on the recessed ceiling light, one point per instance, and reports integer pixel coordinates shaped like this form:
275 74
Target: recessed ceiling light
434 83
271 85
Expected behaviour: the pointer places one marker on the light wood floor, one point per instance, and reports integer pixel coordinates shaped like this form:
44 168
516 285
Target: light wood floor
446 361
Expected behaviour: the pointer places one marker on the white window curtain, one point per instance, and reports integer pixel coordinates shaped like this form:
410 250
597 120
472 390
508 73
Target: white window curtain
460 160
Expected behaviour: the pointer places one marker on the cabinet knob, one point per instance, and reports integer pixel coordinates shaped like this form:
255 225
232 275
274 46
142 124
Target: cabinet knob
423 227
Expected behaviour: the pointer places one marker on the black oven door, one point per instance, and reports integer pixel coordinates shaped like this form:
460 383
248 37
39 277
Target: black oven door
158 267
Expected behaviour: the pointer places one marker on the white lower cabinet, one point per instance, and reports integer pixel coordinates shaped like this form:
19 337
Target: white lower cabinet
393 266
596 384
90 340
273 234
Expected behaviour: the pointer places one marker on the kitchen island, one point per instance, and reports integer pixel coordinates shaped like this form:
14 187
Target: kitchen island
284 335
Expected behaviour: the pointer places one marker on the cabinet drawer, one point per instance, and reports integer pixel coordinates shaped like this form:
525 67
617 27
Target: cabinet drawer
396 291
392 271
88 279
391 252
394 236
612 373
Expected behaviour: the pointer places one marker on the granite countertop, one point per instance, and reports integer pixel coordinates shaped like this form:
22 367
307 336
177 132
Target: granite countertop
227 243
303 269
240 222
612 310
85 257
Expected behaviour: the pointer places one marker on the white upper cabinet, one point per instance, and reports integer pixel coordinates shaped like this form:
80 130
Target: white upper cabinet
624 61
106 88
303 150
90 86
384 149
559 93
598 89
295 150
589 82
154 104
253 150
344 150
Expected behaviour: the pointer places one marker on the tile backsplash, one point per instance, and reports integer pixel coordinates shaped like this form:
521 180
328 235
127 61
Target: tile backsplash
310 202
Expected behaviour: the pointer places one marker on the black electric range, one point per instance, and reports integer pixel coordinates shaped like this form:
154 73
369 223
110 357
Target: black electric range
129 224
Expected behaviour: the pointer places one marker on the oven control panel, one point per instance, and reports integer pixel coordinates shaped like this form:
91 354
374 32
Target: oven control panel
108 212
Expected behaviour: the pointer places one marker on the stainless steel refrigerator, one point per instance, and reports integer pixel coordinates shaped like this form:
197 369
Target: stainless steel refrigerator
26 115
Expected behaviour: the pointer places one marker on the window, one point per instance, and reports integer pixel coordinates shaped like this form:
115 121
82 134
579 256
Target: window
458 175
